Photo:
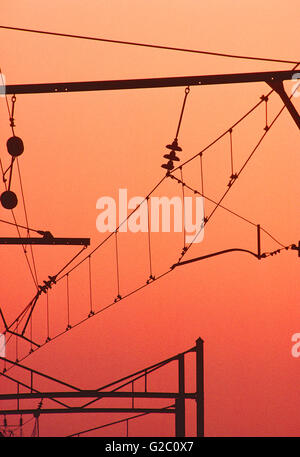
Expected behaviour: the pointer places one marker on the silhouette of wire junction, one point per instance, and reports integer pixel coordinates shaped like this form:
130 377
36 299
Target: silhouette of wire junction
16 330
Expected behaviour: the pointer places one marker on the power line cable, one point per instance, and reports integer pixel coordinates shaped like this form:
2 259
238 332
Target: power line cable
147 45
237 175
97 247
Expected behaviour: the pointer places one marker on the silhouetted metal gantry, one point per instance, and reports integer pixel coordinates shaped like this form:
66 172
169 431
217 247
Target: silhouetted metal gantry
273 78
177 407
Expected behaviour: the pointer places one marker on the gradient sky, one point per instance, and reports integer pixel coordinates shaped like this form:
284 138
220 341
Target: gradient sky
82 146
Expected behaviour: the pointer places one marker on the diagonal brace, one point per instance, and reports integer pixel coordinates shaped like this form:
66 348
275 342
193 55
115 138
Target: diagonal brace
277 86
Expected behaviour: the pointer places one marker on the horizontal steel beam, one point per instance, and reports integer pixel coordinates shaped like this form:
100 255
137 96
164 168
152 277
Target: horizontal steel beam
47 241
94 394
267 76
36 412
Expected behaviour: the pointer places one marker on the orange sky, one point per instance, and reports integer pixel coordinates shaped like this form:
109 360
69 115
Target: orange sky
81 146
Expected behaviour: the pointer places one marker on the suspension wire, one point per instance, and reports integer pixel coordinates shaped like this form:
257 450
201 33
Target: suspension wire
183 208
22 314
222 135
149 242
132 212
17 354
112 233
238 174
117 265
266 127
27 222
162 275
19 234
25 251
101 310
68 302
233 175
10 169
168 271
128 379
67 264
265 99
291 246
90 287
195 191
48 317
31 325
32 303
271 236
155 46
131 293
231 151
54 279
202 183
40 232
251 110
115 422
201 173
12 125
2 172
186 93
30 387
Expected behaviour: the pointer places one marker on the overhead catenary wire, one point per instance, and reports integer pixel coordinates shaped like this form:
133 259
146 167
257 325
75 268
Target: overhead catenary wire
148 45
112 233
120 421
40 232
90 287
33 301
149 242
234 213
97 247
237 175
117 265
134 291
158 184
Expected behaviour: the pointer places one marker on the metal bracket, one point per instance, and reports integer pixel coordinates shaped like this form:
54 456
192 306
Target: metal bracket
277 86
47 240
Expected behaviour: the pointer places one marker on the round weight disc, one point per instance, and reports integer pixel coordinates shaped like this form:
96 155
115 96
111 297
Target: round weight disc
9 199
15 146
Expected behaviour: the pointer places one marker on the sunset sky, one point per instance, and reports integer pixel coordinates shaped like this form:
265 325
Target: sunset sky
86 145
